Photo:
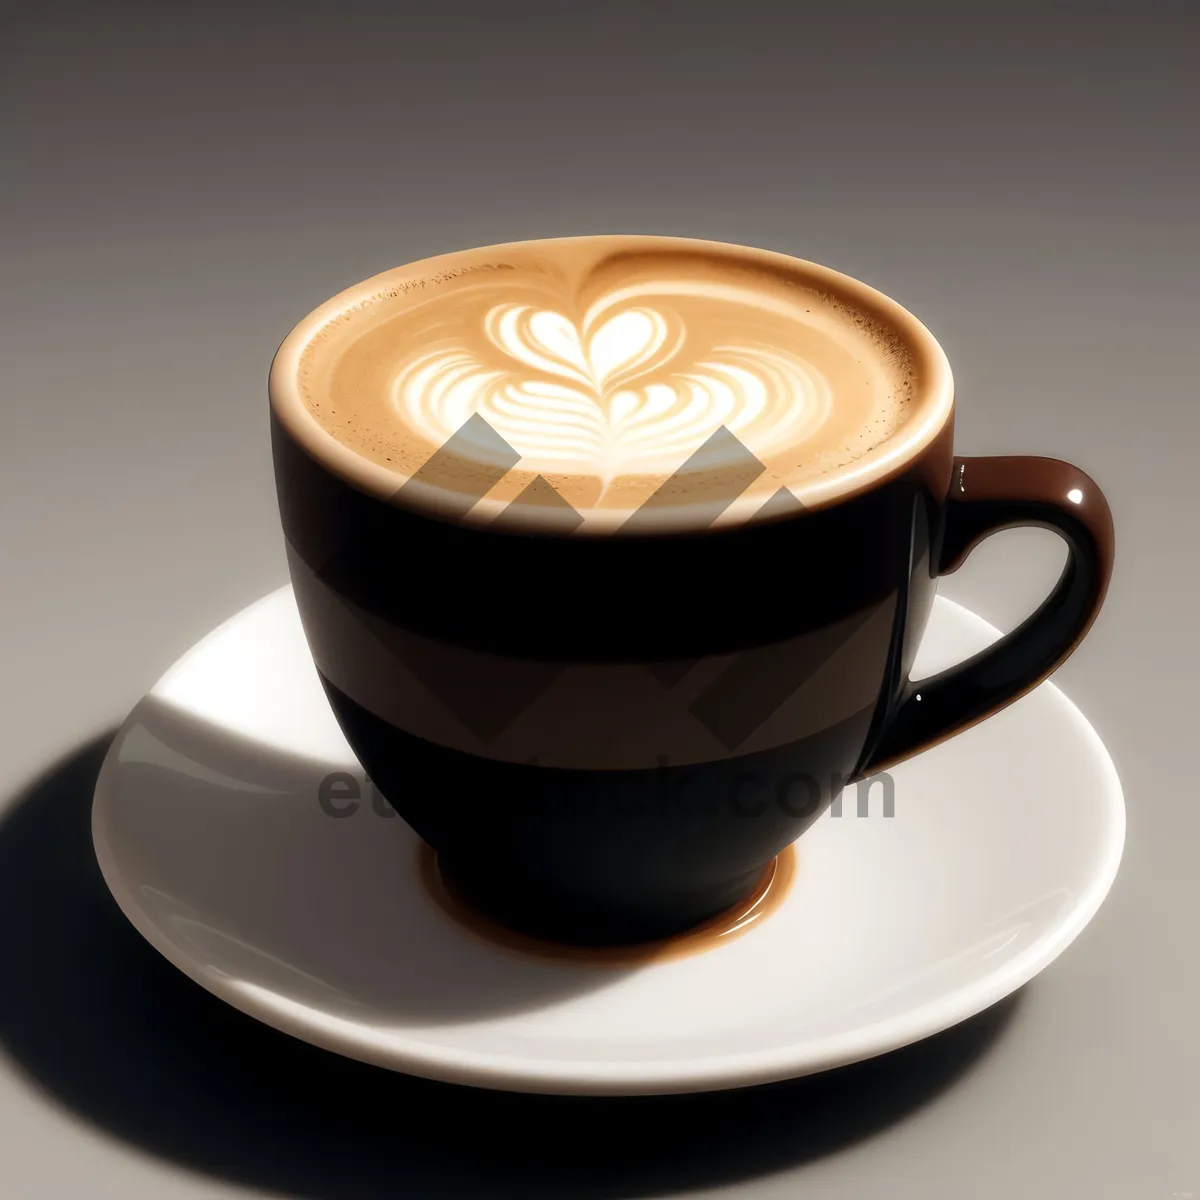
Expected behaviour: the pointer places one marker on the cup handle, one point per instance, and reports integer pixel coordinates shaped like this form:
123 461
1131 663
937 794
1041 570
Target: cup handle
987 495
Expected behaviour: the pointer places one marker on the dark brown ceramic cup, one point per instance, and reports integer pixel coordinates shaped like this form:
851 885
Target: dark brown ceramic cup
606 736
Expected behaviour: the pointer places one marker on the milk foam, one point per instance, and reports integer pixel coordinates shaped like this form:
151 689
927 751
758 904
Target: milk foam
604 363
617 394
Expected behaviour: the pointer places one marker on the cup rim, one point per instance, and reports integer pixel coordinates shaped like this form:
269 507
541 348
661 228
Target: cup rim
933 411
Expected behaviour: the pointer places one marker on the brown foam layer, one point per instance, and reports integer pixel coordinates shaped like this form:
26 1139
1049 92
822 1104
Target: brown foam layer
602 366
764 899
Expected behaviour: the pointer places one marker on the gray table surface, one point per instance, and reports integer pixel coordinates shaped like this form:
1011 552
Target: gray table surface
182 189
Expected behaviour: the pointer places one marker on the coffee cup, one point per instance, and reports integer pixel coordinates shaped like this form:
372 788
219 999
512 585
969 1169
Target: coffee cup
614 554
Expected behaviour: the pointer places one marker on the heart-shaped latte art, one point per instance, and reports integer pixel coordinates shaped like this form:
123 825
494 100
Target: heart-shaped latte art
618 393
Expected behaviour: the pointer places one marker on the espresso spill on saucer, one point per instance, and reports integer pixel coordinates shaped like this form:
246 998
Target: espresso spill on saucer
605 364
763 900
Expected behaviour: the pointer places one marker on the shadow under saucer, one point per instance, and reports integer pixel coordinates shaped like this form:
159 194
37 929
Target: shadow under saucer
99 1020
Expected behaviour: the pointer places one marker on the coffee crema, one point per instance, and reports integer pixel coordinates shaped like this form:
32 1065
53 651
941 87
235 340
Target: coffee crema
690 382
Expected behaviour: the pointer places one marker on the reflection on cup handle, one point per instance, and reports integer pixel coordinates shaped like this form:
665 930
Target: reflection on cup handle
986 496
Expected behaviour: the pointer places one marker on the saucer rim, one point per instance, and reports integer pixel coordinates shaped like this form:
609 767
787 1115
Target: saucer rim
415 1056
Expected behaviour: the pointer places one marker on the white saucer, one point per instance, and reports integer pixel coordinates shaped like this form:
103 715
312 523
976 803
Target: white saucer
210 834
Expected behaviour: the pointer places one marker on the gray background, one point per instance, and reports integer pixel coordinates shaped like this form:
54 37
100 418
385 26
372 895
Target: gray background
180 189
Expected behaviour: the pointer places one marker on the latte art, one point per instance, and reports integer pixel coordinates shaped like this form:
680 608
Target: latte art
576 380
618 393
